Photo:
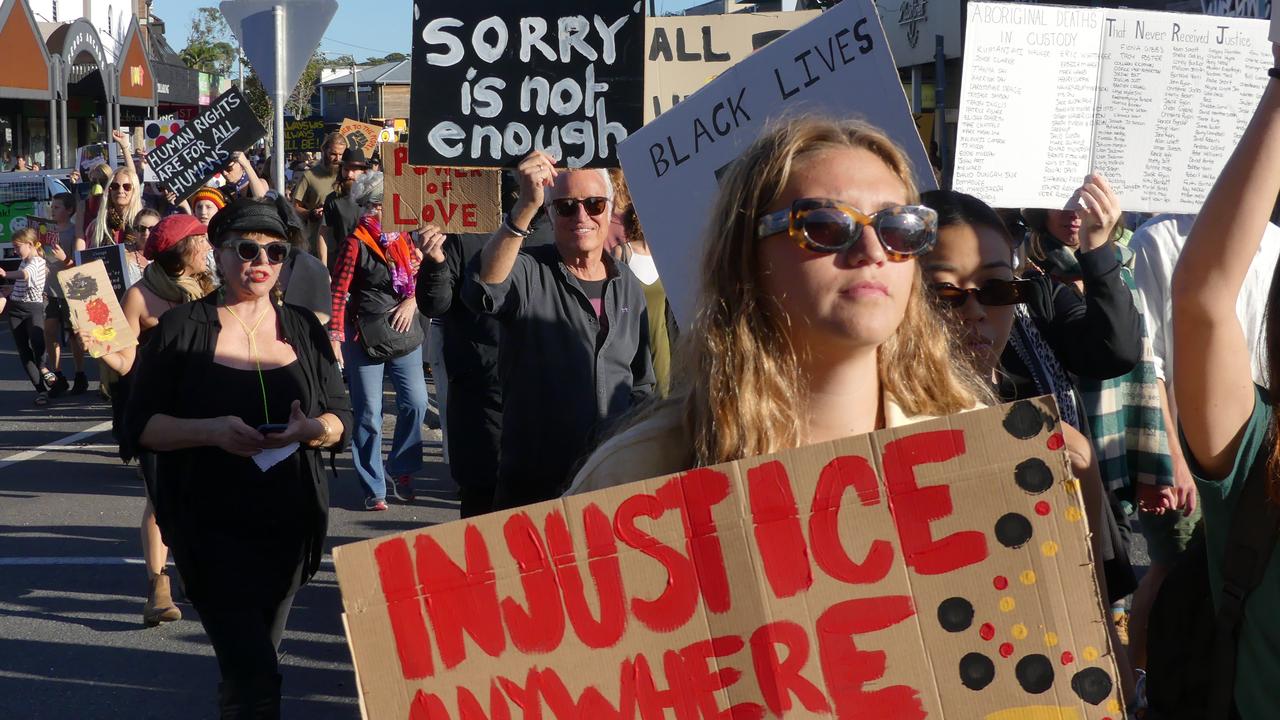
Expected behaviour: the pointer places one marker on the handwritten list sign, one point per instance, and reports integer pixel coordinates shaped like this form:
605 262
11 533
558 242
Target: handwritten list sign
1155 101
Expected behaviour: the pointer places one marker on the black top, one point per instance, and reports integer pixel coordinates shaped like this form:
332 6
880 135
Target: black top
560 385
175 375
340 215
1097 335
308 285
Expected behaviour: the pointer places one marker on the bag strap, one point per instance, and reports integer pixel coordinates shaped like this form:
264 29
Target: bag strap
1250 542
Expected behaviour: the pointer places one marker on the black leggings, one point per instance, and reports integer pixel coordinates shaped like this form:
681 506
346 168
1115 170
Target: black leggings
246 641
27 321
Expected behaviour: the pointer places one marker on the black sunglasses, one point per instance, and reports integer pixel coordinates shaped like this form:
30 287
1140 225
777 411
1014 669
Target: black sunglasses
830 226
120 186
992 293
568 207
248 250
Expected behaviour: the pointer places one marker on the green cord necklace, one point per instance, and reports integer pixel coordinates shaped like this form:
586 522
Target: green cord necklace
253 353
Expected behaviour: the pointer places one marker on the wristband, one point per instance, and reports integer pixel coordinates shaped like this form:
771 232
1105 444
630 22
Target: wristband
1273 72
511 228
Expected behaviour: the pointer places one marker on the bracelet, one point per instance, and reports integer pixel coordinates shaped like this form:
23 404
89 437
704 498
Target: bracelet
511 228
324 439
1273 72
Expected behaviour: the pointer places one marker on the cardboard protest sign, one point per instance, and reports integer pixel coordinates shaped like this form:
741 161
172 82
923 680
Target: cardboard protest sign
458 200
305 135
493 80
837 64
112 259
90 156
360 135
95 310
1155 101
202 147
938 570
687 52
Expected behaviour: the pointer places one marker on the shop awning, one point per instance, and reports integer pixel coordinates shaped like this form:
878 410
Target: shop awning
136 83
26 60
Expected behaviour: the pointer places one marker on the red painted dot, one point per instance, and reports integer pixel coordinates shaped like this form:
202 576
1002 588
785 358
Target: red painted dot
1042 508
1006 650
161 140
987 631
1001 582
1068 658
174 128
1056 442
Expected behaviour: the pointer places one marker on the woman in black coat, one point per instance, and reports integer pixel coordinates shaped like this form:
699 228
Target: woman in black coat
235 397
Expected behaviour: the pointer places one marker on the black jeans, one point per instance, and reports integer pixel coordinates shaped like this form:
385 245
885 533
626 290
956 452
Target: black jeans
246 641
475 436
27 321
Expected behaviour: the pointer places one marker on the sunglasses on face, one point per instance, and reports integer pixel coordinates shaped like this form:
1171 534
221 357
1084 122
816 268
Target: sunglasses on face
992 293
568 207
121 186
248 250
827 226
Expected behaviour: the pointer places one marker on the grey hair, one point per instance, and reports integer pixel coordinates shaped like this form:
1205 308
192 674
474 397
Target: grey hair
367 189
549 197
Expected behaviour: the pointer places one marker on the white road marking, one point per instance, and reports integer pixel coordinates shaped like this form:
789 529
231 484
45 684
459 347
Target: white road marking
55 445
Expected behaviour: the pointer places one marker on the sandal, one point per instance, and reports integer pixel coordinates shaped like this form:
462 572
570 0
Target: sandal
42 398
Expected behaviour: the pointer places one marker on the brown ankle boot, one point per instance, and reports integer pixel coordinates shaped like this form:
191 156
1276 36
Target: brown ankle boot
160 607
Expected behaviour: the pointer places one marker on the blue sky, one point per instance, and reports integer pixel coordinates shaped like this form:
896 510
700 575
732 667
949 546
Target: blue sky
357 29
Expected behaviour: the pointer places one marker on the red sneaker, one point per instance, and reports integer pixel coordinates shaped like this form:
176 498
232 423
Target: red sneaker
375 504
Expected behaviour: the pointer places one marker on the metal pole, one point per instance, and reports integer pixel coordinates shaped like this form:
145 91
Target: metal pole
940 108
277 172
55 157
240 64
917 89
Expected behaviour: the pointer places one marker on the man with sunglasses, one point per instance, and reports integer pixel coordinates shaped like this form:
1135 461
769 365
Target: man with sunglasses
574 350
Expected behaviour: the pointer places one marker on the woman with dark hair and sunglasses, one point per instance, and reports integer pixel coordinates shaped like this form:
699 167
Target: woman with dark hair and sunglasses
375 329
235 398
812 322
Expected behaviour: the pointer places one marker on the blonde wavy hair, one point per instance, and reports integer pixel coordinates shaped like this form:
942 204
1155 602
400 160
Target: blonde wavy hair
99 232
741 382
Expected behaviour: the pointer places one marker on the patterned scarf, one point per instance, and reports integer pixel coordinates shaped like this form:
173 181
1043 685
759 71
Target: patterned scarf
396 250
177 290
1047 373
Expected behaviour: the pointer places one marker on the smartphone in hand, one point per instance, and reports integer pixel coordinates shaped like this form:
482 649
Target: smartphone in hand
269 428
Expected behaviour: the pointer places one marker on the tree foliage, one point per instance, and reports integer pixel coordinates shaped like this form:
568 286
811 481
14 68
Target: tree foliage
209 44
299 101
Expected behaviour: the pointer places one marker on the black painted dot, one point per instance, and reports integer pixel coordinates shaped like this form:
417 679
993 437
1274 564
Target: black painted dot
1013 530
1024 420
1034 673
976 671
1033 476
955 614
1093 685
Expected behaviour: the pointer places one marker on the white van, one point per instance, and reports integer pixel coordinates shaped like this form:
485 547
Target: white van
23 194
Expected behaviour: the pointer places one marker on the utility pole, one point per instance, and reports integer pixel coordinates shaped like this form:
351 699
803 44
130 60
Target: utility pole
355 88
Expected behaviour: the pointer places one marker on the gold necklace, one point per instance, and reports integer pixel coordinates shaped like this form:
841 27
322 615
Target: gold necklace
252 334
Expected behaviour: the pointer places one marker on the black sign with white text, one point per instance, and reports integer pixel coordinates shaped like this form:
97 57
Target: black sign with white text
112 256
203 146
495 79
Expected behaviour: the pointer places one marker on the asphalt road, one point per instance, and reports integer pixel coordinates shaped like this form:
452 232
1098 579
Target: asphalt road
72 584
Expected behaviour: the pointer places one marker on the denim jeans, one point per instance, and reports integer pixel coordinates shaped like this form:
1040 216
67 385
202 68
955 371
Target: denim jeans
366 401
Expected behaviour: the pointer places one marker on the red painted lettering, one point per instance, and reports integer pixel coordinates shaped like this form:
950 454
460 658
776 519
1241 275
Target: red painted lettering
914 508
694 494
469 708
469 217
707 683
829 553
408 626
776 521
426 706
400 158
652 702
846 669
446 214
674 606
397 217
460 601
591 705
606 575
780 678
525 697
540 628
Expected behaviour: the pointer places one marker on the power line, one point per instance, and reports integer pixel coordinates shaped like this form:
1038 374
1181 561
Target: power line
360 47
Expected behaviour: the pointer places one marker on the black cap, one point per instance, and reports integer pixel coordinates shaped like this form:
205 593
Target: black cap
354 157
267 215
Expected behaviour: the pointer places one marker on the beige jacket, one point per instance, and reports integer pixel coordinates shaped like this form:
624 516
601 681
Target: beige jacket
660 446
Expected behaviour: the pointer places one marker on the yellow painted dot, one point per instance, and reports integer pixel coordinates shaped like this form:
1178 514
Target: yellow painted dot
1028 577
1070 485
1049 548
1051 639
1090 653
1113 706
1073 514
1019 632
1006 604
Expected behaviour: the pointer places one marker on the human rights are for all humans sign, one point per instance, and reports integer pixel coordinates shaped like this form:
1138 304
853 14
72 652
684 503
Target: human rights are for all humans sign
939 570
495 79
202 147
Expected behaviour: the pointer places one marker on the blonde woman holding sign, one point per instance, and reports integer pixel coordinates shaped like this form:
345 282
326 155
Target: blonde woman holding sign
812 323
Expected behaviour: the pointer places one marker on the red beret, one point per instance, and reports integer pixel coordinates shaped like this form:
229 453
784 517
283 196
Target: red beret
170 231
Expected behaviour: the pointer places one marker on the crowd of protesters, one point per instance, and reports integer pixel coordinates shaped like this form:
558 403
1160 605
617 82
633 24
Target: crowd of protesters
835 300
